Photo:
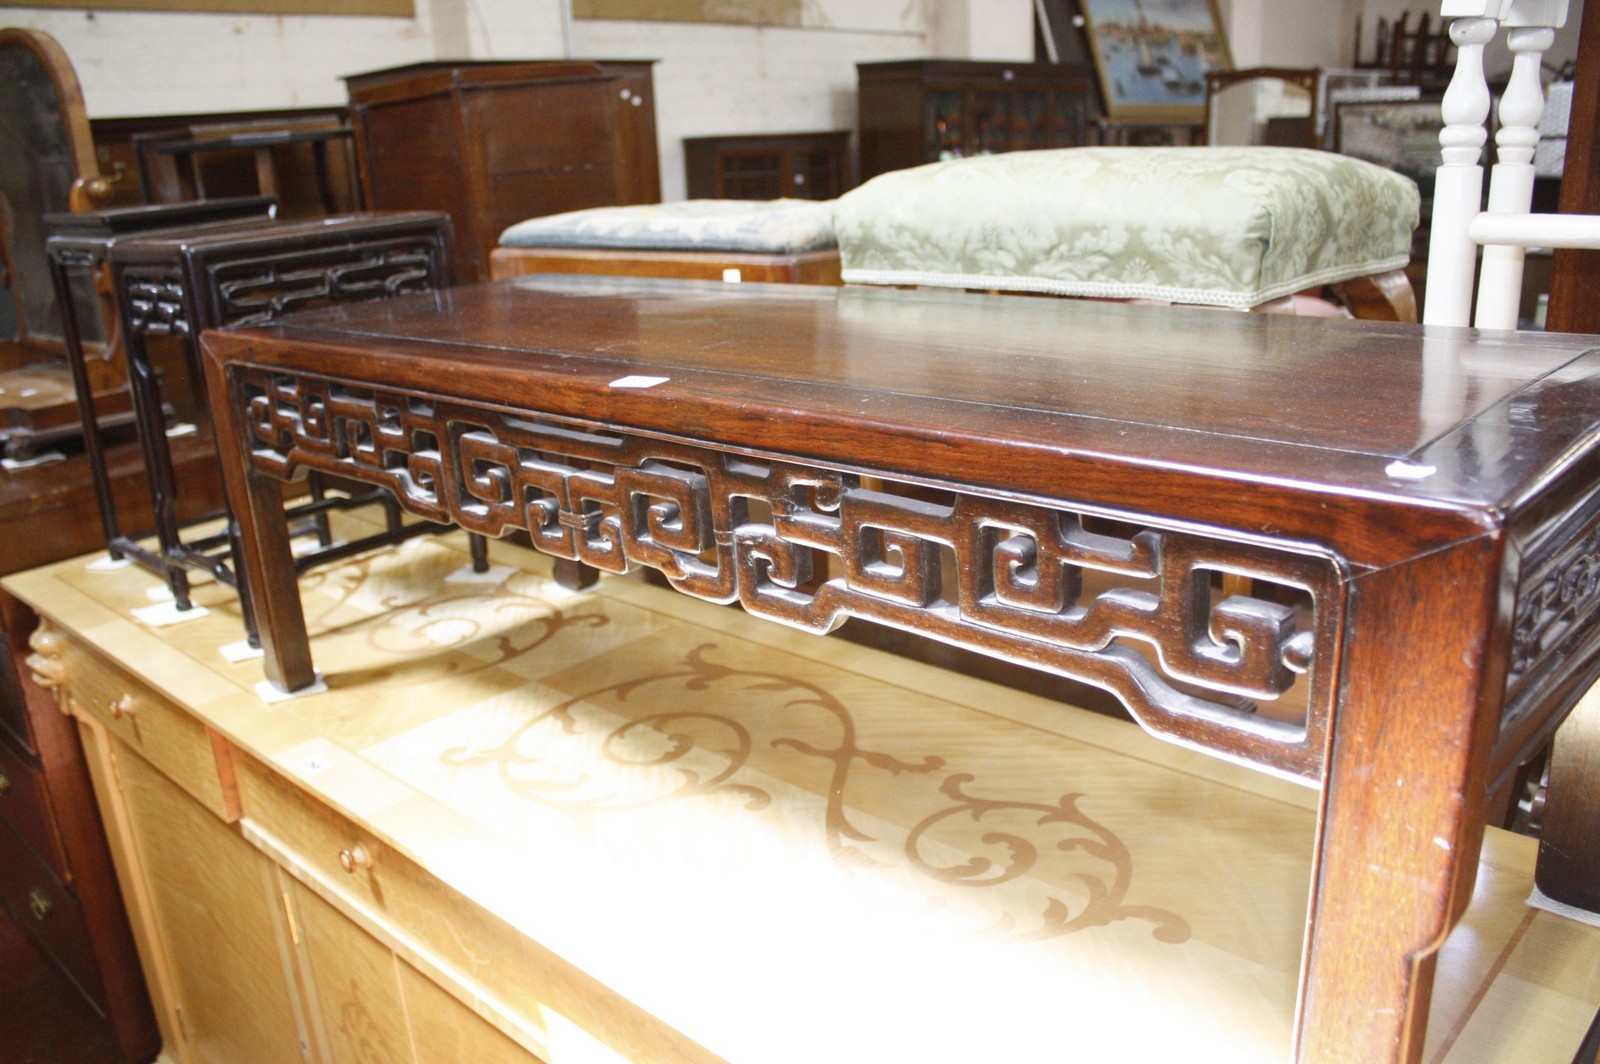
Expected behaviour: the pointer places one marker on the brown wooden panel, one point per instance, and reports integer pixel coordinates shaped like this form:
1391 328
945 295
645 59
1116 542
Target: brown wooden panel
514 197
543 127
1575 282
38 901
25 805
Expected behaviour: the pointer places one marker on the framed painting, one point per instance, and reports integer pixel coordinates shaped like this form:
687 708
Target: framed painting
1152 57
1402 135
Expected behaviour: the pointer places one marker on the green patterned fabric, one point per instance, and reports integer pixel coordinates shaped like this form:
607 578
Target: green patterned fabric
783 226
1229 227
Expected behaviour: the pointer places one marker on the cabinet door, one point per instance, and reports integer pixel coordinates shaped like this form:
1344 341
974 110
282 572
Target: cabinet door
212 905
445 1031
351 987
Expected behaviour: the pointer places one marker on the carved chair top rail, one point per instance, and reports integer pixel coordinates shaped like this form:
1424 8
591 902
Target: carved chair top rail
1376 442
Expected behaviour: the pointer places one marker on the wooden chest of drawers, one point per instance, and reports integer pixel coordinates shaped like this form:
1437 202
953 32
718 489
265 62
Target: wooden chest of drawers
525 824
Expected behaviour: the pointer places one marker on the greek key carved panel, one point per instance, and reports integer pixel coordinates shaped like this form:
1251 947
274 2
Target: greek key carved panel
1557 602
1135 610
254 291
156 303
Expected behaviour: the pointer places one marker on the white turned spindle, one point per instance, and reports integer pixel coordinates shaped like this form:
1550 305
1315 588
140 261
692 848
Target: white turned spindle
1458 186
1511 180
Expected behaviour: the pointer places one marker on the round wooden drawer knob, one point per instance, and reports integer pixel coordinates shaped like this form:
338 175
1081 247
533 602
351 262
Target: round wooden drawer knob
121 707
5 784
355 857
39 903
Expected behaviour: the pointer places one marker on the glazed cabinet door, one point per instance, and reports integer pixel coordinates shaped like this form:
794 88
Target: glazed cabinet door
211 924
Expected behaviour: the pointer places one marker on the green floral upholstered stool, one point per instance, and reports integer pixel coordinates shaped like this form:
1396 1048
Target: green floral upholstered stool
1246 228
736 240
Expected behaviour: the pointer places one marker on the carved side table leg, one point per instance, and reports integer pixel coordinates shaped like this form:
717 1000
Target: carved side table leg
1401 822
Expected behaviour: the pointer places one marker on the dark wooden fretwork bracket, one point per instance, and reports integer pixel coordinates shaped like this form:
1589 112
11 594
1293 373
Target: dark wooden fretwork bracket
1133 609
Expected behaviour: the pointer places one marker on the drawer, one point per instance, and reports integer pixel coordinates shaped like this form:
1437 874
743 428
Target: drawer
484 955
49 912
167 737
25 805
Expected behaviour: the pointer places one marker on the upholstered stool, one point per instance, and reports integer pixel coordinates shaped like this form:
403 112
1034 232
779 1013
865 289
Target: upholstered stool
1227 227
788 241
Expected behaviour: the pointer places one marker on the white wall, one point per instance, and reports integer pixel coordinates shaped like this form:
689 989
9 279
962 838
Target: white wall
1296 33
133 63
746 79
710 79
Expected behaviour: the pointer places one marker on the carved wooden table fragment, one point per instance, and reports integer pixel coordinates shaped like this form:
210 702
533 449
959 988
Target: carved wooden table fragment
1411 515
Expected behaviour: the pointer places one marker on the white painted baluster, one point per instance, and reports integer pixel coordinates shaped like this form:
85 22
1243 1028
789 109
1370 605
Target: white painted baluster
1511 180
1458 186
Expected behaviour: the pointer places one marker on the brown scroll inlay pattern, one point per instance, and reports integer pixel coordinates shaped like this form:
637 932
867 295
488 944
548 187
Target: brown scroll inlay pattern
652 755
1002 577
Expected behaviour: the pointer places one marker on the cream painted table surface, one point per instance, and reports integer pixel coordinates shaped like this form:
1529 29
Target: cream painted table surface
766 846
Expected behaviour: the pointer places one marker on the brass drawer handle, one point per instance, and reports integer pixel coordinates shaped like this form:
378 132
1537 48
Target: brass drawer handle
355 857
5 784
39 903
121 707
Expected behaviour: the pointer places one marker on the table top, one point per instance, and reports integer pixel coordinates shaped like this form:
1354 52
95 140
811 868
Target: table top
1382 441
267 231
106 225
271 138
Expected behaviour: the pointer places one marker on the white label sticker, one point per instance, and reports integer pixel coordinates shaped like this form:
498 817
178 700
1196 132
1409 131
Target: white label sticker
639 382
313 765
1402 470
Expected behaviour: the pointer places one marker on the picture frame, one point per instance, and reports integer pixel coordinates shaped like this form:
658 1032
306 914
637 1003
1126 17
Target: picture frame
1400 135
1152 56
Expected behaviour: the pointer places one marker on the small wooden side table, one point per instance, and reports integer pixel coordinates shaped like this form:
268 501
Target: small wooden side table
179 282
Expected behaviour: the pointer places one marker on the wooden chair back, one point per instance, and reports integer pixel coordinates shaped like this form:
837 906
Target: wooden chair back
47 165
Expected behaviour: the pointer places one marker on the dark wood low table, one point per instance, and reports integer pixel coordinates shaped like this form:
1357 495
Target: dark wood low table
180 279
1412 517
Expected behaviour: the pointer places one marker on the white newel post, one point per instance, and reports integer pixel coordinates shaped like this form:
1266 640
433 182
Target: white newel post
1511 180
1458 186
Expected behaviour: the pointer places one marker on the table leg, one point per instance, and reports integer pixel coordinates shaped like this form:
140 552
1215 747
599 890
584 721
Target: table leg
263 559
319 159
1569 861
266 173
88 418
573 574
1401 823
152 426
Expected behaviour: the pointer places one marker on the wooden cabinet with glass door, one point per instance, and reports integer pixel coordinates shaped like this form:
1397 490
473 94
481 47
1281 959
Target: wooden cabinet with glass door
923 110
768 166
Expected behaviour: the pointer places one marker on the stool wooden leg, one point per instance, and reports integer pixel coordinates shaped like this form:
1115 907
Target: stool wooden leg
1382 297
